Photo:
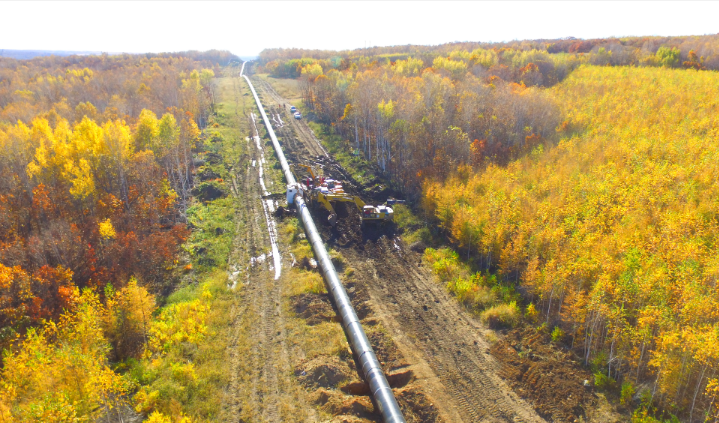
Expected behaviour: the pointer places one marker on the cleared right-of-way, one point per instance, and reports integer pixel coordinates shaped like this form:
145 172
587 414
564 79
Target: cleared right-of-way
367 360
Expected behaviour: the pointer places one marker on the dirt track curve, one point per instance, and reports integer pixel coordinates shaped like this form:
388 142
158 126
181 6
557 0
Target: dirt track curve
442 343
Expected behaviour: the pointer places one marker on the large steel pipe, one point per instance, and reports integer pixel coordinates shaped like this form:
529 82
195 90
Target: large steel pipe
283 161
373 374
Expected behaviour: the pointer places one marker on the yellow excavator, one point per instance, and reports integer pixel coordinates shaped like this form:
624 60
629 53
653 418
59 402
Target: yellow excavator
323 192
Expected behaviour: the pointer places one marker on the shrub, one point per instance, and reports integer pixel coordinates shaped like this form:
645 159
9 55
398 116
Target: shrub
557 334
445 263
627 392
471 294
211 190
531 313
403 216
502 316
603 382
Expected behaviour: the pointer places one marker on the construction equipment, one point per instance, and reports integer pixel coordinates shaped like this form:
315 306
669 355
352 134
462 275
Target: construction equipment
322 192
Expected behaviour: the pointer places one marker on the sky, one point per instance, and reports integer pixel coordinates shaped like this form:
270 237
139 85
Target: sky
245 28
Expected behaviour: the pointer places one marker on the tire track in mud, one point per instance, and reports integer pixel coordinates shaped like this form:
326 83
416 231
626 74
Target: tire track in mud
261 385
450 352
442 342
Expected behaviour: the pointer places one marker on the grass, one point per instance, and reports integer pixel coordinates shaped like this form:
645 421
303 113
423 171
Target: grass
330 338
307 282
502 316
404 218
234 103
190 378
286 88
481 293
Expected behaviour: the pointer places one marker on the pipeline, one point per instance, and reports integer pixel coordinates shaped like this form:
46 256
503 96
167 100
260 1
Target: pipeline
373 374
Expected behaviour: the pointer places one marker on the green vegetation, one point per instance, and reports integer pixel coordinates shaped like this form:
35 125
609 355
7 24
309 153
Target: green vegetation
286 88
184 374
187 376
214 228
479 292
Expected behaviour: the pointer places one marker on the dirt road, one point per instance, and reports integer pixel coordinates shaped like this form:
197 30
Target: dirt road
261 356
440 342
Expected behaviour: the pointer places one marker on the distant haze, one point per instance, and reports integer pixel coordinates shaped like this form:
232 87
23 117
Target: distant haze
249 27
29 54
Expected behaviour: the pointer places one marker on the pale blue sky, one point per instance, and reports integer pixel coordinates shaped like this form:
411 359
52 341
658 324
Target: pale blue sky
245 28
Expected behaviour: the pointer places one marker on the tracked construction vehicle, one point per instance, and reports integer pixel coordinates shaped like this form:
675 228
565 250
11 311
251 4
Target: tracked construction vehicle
320 192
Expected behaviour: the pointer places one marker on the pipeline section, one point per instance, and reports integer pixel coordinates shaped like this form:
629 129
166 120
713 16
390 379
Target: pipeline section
381 391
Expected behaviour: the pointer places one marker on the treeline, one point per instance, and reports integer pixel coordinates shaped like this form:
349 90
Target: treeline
416 122
96 170
424 115
637 51
215 57
612 234
577 173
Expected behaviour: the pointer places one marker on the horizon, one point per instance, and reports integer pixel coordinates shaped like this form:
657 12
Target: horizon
255 56
372 24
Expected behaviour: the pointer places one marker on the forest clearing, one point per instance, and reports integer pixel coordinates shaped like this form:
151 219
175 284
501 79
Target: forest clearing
555 259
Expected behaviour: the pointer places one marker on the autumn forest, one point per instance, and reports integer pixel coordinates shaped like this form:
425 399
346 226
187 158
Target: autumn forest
565 187
97 173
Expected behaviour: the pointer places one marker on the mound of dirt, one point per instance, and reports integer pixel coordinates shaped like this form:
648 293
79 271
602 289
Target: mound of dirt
359 298
396 380
384 348
415 406
351 419
546 376
345 408
282 212
314 308
348 230
323 372
418 247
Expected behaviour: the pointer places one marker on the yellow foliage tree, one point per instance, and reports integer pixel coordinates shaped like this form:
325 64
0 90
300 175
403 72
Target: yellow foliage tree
60 371
614 230
129 318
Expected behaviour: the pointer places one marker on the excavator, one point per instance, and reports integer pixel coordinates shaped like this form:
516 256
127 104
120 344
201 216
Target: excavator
323 192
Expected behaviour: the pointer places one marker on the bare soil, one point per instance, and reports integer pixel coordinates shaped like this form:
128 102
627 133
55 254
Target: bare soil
547 376
335 384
